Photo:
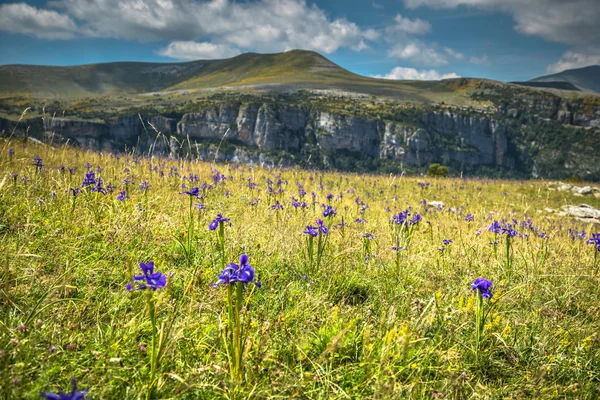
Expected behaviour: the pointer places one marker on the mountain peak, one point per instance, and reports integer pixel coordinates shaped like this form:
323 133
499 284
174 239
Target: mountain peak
585 78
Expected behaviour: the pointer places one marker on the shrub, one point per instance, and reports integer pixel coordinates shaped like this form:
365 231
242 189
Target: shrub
437 170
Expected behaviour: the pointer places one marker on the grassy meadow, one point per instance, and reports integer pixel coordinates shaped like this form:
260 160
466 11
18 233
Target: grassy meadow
390 315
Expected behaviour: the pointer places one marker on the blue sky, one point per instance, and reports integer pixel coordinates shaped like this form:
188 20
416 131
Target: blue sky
398 39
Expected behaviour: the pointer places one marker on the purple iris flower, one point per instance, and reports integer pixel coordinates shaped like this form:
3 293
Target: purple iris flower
495 227
329 211
595 240
73 395
90 179
329 197
484 286
144 185
122 196
322 227
38 162
509 231
311 230
469 217
75 191
237 273
215 223
447 241
11 152
152 280
368 236
194 192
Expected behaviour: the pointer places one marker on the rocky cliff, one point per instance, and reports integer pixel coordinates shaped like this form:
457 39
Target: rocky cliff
253 130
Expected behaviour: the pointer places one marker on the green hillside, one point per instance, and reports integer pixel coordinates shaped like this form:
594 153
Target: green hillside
587 78
289 70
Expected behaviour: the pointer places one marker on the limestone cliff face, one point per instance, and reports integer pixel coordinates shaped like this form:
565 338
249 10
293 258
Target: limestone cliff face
270 127
440 135
128 131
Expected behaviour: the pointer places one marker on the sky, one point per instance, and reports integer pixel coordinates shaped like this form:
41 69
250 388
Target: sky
507 40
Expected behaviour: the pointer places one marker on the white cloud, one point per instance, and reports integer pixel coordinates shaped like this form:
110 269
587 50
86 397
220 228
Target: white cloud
420 53
572 59
414 74
483 60
25 19
410 26
261 25
565 21
190 50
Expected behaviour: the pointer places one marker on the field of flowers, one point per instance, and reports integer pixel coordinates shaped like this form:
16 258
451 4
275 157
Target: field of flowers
144 277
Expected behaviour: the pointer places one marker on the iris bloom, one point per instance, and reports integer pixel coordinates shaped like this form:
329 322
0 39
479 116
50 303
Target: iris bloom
215 223
484 286
322 227
312 231
237 273
447 241
122 196
73 395
38 162
329 211
495 227
151 279
90 179
194 192
595 240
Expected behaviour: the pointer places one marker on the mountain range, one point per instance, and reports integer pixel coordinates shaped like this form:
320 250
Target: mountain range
298 107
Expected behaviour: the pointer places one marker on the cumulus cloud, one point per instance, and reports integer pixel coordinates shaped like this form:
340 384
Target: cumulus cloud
25 19
420 53
572 59
483 60
190 50
410 26
414 74
216 26
572 22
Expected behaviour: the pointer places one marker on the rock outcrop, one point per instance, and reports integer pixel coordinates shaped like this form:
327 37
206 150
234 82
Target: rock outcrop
460 136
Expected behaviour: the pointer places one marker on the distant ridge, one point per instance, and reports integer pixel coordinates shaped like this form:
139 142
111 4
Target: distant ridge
549 85
586 79
291 70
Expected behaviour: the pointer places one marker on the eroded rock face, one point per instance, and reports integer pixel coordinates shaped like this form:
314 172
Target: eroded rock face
270 127
341 132
446 135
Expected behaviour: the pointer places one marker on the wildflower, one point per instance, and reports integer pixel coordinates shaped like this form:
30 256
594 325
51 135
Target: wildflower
122 196
469 217
484 286
153 280
509 231
74 395
447 241
144 185
237 273
11 152
329 211
90 179
194 192
595 240
495 227
277 206
311 230
322 227
215 223
38 162
368 236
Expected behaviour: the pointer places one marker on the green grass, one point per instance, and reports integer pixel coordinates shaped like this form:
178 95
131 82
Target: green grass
354 329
